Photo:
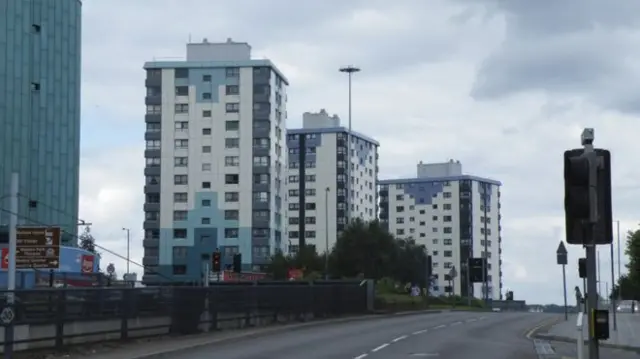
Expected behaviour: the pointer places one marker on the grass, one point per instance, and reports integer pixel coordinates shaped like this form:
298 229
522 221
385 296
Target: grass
408 302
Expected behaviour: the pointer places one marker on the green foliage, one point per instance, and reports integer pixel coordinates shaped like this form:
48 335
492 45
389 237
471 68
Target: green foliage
628 286
365 250
86 241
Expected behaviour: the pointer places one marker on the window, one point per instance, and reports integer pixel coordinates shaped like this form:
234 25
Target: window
231 215
232 107
231 161
154 109
206 95
182 73
180 179
206 78
181 144
153 127
261 197
294 206
310 206
231 196
261 143
180 197
294 234
206 185
182 125
293 179
182 108
232 179
447 241
182 90
206 113
310 178
233 71
181 161
310 220
294 220
262 178
206 149
448 253
231 233
232 125
261 251
261 161
261 215
233 89
153 145
294 193
310 234
206 203
152 216
399 220
36 28
206 131
446 194
446 218
205 220
447 230
231 142
180 215
206 167
446 206
179 233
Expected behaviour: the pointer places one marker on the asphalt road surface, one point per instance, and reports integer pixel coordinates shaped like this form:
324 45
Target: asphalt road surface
453 335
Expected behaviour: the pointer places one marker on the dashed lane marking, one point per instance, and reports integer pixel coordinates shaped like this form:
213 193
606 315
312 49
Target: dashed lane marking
456 323
399 339
380 347
439 326
360 356
420 332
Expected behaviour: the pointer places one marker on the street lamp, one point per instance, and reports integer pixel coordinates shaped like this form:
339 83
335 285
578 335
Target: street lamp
326 233
349 70
128 246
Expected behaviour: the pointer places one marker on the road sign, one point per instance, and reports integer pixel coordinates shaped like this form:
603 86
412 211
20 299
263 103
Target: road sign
38 247
7 315
561 254
111 268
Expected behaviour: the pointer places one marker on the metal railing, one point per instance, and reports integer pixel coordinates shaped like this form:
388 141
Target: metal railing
55 317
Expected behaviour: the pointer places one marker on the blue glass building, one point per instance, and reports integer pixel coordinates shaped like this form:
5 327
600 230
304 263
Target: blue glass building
40 44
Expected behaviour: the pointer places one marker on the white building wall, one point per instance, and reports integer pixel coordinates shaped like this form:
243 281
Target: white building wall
167 186
364 179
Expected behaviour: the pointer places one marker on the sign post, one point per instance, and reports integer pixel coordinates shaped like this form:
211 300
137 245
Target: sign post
562 259
38 247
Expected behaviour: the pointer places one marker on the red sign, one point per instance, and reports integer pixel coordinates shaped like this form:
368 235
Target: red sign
295 274
5 258
230 276
86 266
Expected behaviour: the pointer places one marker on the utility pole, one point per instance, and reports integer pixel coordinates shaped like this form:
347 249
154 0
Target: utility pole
619 260
562 259
11 280
349 70
128 247
612 298
326 233
588 216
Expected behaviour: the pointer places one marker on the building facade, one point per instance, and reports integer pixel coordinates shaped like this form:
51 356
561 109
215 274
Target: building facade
455 216
319 202
40 45
215 161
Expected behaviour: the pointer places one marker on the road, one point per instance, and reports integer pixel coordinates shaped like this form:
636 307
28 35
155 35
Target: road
456 335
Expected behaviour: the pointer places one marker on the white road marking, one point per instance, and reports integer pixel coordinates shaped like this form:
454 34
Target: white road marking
399 339
419 332
456 323
440 326
380 347
482 318
360 356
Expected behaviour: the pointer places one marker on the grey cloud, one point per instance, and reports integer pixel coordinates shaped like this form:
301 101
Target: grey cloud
565 47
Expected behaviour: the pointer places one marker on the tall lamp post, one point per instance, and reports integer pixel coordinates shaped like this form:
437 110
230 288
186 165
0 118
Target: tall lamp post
128 246
349 70
326 233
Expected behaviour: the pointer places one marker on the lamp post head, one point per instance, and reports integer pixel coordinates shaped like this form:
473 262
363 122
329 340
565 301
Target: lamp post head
349 69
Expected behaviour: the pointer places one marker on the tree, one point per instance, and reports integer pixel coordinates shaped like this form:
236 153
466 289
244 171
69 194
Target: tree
628 286
86 241
306 259
364 250
411 262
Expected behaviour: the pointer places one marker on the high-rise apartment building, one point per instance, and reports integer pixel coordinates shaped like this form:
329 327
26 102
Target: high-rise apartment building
319 202
40 45
215 161
456 216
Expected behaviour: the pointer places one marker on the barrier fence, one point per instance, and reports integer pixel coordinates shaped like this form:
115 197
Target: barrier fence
58 317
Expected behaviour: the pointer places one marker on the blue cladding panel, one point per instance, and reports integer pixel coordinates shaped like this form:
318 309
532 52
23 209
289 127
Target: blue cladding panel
218 78
297 131
362 154
445 178
213 64
423 192
199 248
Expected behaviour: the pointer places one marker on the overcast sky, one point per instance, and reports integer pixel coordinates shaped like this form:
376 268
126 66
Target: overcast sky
503 86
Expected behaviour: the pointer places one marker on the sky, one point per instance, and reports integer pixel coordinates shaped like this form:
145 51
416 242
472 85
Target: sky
503 86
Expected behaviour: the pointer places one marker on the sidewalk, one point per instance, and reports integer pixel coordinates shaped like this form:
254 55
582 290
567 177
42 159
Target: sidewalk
625 337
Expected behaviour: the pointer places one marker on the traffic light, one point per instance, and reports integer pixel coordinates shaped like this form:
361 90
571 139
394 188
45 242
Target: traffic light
237 263
215 261
582 267
577 204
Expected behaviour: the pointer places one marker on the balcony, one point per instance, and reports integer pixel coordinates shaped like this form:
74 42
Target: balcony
151 242
150 261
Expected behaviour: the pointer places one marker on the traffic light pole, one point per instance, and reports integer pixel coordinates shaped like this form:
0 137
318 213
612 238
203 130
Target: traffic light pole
590 247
